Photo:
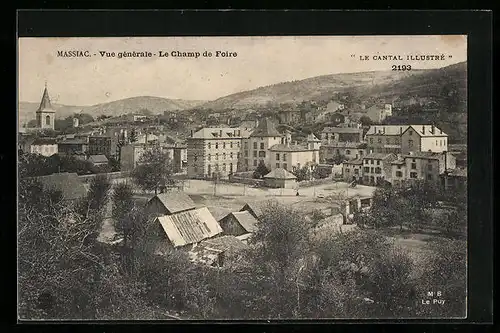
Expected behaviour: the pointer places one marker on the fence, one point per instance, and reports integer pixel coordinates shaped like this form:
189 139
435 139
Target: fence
307 183
244 180
110 175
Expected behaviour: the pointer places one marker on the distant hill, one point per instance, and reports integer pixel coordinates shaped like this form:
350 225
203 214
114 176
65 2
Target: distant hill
316 88
155 105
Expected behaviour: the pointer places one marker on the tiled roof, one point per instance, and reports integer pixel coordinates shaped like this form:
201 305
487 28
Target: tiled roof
73 142
45 104
360 145
98 159
427 130
387 129
175 201
280 173
265 128
342 130
220 133
379 156
44 141
283 147
256 208
69 184
458 172
398 161
189 227
227 243
423 154
312 138
246 220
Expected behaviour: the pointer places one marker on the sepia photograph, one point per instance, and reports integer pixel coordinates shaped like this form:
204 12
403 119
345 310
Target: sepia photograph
242 178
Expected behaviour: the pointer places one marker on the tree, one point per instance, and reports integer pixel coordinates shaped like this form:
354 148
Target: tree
123 203
365 121
321 173
303 173
133 136
261 170
154 170
338 158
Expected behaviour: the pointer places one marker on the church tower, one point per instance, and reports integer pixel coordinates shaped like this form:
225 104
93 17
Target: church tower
45 115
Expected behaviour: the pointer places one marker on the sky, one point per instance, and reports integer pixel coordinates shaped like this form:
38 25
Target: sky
260 61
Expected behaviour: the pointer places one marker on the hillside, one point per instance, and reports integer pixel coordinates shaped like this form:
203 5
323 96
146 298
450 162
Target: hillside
316 88
155 105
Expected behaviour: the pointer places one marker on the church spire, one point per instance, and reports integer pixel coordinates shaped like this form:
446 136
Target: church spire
45 104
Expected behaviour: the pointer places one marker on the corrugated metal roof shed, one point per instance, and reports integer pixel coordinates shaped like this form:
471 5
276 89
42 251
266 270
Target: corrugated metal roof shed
246 220
189 227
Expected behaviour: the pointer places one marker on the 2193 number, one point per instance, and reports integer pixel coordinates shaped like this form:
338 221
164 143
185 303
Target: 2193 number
401 67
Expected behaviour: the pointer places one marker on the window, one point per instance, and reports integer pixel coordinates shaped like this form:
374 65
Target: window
356 171
231 167
216 156
429 177
246 161
410 132
262 145
231 144
371 161
238 144
223 166
255 145
371 140
437 142
254 162
216 145
429 167
399 174
238 155
195 158
47 120
399 166
231 155
223 145
378 162
209 157
371 170
284 157
366 169
338 151
223 156
277 157
262 153
277 165
209 145
410 143
254 153
414 166
209 169
396 141
246 145
348 152
413 175
378 170
246 153
388 140
347 170
285 166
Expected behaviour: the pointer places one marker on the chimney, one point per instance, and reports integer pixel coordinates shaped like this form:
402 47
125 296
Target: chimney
432 129
423 129
401 130
191 133
383 128
220 133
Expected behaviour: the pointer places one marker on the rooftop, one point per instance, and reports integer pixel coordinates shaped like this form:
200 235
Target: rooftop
387 129
289 147
427 130
175 201
98 159
246 220
356 161
266 128
220 133
379 156
189 227
45 105
344 145
280 173
342 130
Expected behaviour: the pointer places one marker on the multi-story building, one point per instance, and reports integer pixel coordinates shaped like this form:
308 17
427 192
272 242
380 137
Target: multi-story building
341 134
41 146
347 150
454 180
421 166
76 146
353 170
101 145
423 138
377 168
214 151
291 157
385 138
255 147
130 155
378 113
